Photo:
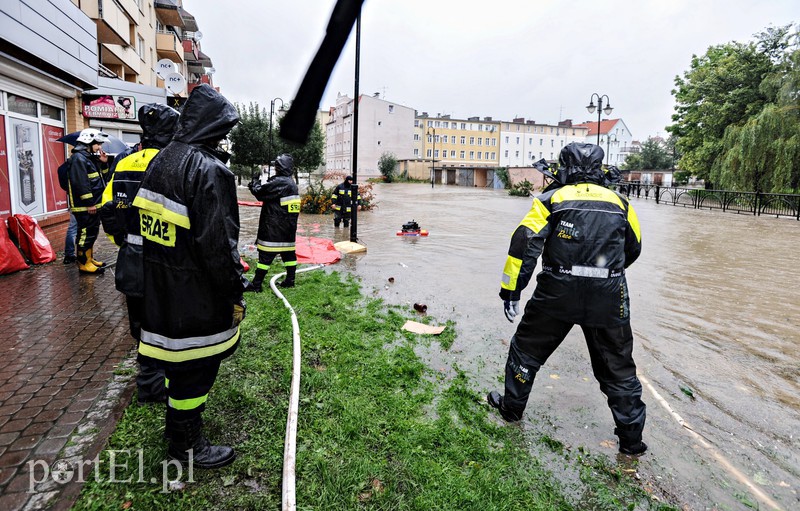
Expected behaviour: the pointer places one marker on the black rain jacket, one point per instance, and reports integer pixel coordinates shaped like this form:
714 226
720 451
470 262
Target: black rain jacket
86 179
277 225
189 222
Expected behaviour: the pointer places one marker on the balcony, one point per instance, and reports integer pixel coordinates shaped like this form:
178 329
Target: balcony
119 58
167 12
168 46
112 23
190 50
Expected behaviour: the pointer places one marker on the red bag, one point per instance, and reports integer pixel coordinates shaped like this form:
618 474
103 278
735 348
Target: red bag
32 240
10 258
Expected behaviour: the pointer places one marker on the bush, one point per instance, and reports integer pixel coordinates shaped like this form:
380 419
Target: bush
317 197
387 164
523 189
502 175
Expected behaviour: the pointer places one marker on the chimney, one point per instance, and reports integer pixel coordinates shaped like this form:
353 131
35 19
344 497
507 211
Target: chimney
520 120
487 119
473 118
530 122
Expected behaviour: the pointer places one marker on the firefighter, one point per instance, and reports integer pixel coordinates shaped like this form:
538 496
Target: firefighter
86 184
121 223
342 199
189 223
587 235
277 225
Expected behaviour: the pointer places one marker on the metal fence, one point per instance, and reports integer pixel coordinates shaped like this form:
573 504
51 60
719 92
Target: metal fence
752 203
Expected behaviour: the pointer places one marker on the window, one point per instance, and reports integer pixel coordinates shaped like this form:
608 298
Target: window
444 139
541 141
416 153
391 109
530 141
552 143
480 141
493 155
471 140
487 141
379 142
429 153
472 155
20 105
494 142
517 140
416 123
453 139
479 155
506 153
463 140
379 123
480 127
430 124
140 46
516 155
461 154
52 112
486 155
416 136
452 154
437 124
506 140
436 153
430 138
437 137
463 125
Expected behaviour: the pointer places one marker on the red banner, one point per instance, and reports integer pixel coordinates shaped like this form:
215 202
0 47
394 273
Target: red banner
5 193
54 152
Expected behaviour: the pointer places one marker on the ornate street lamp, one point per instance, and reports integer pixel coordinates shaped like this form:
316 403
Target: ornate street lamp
607 110
271 113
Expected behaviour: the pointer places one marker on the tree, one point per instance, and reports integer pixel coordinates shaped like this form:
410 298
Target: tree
387 164
655 155
308 156
721 89
249 140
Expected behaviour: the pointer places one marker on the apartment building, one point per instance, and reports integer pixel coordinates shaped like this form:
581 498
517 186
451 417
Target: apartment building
383 127
523 142
70 64
615 139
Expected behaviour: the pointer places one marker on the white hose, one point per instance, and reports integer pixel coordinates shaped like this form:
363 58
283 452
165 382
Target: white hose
288 494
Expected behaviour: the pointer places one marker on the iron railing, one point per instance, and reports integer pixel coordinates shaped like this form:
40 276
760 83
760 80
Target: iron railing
751 203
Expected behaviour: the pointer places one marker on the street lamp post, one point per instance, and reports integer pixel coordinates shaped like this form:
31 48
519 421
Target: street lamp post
608 147
433 155
607 110
271 113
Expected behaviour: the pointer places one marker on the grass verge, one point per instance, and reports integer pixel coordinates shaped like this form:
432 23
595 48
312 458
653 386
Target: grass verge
377 428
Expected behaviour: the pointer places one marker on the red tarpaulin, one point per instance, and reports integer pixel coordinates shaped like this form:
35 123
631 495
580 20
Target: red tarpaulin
316 251
250 203
31 238
10 258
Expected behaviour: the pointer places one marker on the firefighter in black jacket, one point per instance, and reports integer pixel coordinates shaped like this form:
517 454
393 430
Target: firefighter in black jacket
86 184
342 198
277 225
587 235
189 223
121 223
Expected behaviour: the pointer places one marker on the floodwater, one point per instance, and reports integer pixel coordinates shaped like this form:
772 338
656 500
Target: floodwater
714 301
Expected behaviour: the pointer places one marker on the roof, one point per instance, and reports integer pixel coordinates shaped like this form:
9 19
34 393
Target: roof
606 125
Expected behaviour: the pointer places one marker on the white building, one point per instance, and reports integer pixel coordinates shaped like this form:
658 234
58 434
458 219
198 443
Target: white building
615 139
383 127
524 142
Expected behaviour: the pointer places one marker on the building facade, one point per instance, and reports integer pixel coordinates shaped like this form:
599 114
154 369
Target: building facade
383 127
524 142
615 139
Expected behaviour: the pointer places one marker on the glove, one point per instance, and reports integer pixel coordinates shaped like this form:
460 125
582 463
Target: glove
511 309
239 312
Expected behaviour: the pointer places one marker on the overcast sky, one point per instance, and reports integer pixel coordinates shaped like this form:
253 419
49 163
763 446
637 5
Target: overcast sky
538 59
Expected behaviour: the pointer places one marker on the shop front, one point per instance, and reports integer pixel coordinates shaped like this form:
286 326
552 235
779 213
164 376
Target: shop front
114 105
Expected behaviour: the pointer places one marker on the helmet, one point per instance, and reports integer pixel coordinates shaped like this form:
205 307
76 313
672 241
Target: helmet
581 162
92 136
348 178
284 164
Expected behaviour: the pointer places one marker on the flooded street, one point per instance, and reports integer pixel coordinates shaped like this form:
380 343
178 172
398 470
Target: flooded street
714 301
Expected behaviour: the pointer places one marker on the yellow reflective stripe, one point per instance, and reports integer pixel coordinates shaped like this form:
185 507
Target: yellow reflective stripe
187 404
157 353
85 196
536 219
264 267
166 214
136 162
586 192
510 273
275 249
79 209
166 382
290 263
108 193
93 175
633 221
154 228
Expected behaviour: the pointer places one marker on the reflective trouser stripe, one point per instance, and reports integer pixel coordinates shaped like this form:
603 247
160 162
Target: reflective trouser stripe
166 382
264 267
290 263
187 404
173 350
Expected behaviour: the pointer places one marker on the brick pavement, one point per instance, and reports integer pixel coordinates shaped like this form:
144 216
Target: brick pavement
62 335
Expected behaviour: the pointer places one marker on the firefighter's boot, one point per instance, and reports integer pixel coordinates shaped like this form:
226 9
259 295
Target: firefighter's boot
187 444
288 281
90 256
85 264
256 285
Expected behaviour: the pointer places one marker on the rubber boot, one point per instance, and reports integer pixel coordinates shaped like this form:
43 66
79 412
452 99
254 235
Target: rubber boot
90 256
85 264
289 280
256 285
188 444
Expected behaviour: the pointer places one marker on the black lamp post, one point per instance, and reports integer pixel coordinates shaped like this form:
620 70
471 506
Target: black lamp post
433 155
607 110
608 147
271 113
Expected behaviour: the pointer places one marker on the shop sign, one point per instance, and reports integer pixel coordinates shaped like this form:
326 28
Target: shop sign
109 107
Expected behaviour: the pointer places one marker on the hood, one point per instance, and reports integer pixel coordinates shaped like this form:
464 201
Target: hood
207 117
284 165
158 124
581 163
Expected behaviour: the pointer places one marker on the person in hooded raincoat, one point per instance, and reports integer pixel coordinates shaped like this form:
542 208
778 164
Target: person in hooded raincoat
121 223
86 177
342 200
586 235
277 225
192 286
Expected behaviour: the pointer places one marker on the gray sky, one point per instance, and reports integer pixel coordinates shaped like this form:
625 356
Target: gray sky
538 59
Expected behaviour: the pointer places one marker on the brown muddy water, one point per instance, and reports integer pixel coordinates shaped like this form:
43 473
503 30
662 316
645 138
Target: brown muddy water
714 299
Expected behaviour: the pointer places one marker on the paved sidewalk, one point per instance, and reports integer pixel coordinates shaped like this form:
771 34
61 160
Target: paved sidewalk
62 335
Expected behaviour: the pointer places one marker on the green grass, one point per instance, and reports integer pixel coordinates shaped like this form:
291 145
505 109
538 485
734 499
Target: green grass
378 430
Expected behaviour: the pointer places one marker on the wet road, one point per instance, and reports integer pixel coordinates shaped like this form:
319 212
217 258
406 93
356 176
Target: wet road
714 309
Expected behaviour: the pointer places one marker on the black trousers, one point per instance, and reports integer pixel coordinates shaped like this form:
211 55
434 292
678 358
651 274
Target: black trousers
150 380
611 352
340 215
88 229
187 390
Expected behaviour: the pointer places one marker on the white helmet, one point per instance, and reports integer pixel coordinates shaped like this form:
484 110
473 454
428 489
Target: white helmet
91 136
